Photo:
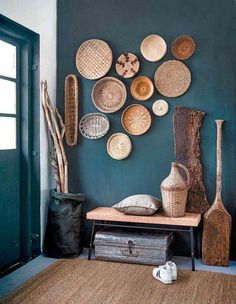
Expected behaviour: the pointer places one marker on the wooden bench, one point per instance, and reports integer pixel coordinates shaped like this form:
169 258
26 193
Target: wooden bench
105 216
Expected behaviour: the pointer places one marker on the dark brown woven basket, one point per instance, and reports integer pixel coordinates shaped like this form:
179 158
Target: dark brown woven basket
71 109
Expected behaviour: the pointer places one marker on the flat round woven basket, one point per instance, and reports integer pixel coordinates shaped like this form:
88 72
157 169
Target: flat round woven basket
160 107
142 88
109 94
127 65
183 47
136 119
172 78
119 146
94 59
94 125
153 48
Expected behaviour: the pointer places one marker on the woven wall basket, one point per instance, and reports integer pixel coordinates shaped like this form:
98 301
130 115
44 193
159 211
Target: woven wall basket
172 78
94 59
160 107
183 47
119 146
94 125
142 88
109 94
71 110
153 48
136 119
127 65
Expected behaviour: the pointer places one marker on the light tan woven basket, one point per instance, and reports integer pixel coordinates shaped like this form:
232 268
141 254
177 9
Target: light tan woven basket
119 146
174 191
136 119
177 84
94 59
109 94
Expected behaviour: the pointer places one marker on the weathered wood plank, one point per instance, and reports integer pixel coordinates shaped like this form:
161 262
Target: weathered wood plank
186 123
110 214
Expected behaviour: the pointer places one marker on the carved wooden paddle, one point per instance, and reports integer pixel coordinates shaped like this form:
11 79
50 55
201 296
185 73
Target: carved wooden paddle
217 221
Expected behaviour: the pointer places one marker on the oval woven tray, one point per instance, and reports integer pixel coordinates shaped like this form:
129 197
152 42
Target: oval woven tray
142 88
183 47
94 125
94 59
153 48
127 65
136 119
71 109
172 78
109 94
119 146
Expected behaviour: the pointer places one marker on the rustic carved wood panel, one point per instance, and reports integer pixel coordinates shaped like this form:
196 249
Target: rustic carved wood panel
187 123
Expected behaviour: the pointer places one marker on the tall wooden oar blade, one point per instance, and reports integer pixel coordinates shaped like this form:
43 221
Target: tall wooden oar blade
217 221
216 238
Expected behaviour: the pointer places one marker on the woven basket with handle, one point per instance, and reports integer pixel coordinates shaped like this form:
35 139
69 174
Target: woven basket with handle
174 191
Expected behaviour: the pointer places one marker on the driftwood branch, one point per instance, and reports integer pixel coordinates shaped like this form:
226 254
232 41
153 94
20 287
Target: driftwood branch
61 123
55 169
59 161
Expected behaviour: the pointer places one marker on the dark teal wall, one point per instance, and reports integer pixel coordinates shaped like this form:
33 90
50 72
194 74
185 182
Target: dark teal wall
124 24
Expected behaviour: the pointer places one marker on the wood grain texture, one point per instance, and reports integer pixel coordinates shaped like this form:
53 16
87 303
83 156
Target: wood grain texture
217 221
216 237
187 123
110 214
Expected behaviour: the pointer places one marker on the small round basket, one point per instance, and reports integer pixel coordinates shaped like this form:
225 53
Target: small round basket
109 94
153 48
119 146
142 88
160 107
183 47
136 119
127 65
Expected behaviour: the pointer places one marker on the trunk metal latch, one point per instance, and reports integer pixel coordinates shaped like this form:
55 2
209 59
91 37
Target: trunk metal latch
131 246
130 252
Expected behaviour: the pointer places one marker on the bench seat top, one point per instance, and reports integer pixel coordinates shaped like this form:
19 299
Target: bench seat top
111 214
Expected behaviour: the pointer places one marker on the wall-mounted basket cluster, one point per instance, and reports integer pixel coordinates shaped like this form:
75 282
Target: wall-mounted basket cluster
94 60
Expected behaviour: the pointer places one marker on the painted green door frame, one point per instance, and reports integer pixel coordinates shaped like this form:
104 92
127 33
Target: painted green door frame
28 96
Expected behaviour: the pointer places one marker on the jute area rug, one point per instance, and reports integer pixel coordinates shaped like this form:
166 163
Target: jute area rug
96 282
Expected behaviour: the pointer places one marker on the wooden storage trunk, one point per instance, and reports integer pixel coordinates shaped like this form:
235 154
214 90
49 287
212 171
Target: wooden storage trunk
151 248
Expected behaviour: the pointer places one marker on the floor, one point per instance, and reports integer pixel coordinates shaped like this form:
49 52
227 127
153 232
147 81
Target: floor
13 280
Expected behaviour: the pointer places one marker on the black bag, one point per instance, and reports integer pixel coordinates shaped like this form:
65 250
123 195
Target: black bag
63 233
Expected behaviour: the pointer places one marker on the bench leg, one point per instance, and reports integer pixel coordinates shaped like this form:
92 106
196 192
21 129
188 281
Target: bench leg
91 240
192 248
196 244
